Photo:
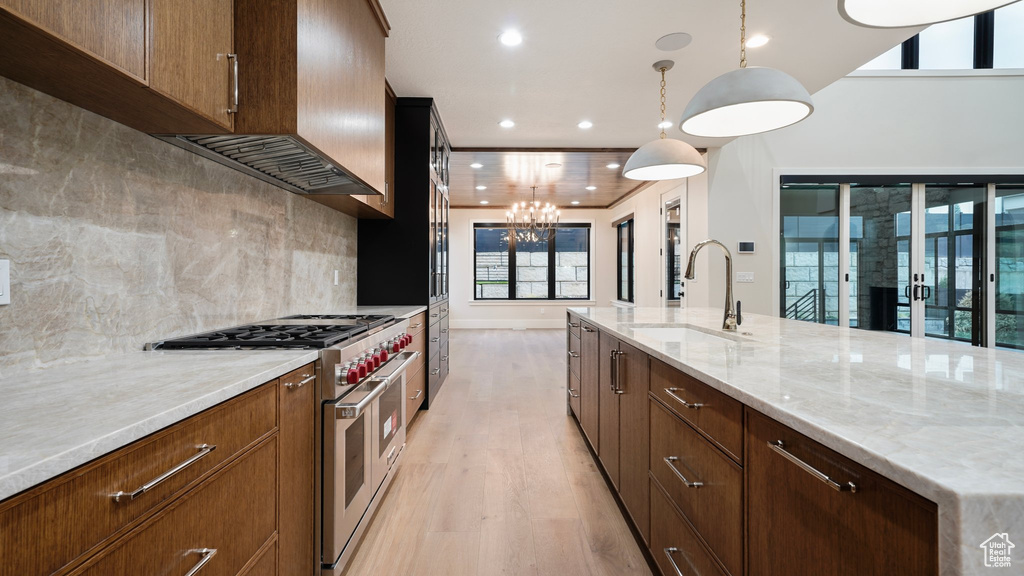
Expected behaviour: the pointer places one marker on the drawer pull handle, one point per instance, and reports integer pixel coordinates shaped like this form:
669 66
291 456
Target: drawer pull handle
234 83
418 394
573 354
616 354
573 395
204 449
444 330
435 371
571 325
433 315
669 460
588 329
301 383
435 339
444 358
780 448
416 325
672 392
669 552
207 553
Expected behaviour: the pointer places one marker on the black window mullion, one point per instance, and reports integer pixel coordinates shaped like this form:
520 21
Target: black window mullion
512 258
911 53
984 40
631 272
551 264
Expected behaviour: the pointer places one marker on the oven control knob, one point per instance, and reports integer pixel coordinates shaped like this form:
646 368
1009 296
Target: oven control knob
383 353
406 340
395 346
351 374
362 368
376 358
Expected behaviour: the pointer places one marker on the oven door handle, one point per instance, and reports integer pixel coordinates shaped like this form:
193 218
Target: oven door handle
352 410
397 364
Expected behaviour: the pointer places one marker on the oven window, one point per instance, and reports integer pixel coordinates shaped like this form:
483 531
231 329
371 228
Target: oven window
391 403
355 437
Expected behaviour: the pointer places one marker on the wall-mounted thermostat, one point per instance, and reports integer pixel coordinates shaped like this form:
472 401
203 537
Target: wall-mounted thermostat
745 248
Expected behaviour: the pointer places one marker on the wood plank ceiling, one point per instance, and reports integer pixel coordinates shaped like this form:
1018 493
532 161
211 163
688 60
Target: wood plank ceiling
561 176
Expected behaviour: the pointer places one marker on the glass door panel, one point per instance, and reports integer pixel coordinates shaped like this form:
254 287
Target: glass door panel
952 285
1009 266
880 262
810 253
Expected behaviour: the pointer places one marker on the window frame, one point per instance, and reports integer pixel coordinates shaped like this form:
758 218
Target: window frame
631 292
984 45
551 268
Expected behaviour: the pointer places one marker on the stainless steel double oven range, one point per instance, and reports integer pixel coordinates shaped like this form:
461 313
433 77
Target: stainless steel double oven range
361 379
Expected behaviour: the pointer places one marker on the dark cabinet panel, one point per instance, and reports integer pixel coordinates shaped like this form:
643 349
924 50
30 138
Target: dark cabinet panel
608 434
634 435
589 366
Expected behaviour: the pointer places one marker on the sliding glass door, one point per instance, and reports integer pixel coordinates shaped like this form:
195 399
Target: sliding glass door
810 253
1009 266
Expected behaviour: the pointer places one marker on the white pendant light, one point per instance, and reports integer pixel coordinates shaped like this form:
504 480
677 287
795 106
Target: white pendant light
746 101
664 158
900 13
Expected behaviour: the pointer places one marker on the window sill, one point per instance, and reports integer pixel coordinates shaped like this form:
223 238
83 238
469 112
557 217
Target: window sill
936 73
567 303
623 304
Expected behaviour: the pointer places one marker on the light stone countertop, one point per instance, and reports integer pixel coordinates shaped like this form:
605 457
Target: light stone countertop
941 418
396 311
56 419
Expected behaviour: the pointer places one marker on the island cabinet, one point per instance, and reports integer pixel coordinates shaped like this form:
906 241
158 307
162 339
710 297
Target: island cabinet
230 488
811 510
573 368
590 363
155 65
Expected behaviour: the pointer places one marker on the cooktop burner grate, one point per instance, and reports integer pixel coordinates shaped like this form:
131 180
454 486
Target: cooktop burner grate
267 336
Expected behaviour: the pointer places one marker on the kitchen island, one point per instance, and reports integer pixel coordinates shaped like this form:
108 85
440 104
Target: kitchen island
942 419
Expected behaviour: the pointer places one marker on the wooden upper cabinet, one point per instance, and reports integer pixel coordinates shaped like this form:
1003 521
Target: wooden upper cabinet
112 30
190 44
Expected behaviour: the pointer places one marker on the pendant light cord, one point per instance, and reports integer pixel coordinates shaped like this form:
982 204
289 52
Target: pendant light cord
662 124
743 33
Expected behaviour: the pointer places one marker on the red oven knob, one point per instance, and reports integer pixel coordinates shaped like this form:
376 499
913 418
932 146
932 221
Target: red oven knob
362 368
383 353
376 359
351 374
395 345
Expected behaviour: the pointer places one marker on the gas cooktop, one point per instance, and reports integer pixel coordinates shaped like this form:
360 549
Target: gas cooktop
370 320
304 331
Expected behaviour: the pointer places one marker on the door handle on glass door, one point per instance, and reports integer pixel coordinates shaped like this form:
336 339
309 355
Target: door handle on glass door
916 287
926 292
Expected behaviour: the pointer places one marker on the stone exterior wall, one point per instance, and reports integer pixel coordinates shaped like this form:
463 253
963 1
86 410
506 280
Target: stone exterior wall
571 274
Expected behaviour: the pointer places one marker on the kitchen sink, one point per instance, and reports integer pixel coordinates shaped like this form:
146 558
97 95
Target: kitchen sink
685 334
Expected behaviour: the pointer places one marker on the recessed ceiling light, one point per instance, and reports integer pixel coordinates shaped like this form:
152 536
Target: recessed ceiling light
484 202
506 123
757 40
476 165
591 187
674 41
552 165
481 187
585 124
665 124
575 202
511 38
613 166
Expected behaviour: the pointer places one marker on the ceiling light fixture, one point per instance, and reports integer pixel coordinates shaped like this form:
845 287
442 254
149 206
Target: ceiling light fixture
613 166
758 40
552 165
506 123
476 165
591 188
664 158
531 220
664 124
484 202
900 13
575 202
747 100
511 38
585 125
481 187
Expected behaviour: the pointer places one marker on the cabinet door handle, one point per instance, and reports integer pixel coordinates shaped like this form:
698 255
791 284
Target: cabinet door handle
301 383
234 81
670 461
573 395
204 449
418 394
669 552
780 448
207 555
616 387
384 199
571 325
672 392
573 354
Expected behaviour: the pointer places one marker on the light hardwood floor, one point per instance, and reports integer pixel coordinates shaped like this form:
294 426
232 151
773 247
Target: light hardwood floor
496 478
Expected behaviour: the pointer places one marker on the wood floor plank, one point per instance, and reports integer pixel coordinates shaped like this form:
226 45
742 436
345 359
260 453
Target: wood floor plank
446 554
561 547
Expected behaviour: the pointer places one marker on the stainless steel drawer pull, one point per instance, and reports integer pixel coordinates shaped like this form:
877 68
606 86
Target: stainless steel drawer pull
571 325
207 555
573 354
588 329
672 392
444 330
418 394
300 383
616 356
780 448
204 449
416 325
433 315
434 339
444 358
669 552
234 80
573 395
669 460
435 371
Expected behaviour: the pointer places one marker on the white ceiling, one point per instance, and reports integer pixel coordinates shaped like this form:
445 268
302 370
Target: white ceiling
591 59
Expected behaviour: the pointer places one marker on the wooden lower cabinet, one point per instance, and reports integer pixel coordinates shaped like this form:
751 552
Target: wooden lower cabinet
298 404
634 435
675 547
589 366
228 518
797 524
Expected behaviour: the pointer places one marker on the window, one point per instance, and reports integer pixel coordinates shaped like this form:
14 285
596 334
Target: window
524 266
990 40
624 265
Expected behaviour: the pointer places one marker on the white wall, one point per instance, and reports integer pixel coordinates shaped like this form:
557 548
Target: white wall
905 124
648 238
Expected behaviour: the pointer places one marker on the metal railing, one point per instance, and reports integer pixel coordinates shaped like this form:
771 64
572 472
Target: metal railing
806 308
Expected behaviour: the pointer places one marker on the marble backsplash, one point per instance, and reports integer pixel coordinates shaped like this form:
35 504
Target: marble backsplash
116 239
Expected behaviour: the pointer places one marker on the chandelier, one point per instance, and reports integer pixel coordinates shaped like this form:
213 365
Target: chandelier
531 220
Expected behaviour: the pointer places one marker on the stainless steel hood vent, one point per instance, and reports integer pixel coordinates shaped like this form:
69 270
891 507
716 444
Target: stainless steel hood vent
280 160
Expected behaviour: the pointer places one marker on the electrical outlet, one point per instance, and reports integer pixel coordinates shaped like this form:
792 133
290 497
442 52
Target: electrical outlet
335 277
5 282
541 311
745 277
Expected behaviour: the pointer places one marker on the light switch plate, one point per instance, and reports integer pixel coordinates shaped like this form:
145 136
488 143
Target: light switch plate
5 282
745 277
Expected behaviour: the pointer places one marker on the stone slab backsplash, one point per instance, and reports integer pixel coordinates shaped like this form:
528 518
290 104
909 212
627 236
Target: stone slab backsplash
117 239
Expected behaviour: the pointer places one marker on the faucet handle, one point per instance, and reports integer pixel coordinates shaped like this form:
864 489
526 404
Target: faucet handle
739 312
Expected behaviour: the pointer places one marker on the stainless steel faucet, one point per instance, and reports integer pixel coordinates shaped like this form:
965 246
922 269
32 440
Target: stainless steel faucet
732 317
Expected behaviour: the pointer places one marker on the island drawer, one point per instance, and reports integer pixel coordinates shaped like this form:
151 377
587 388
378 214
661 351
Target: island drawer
444 330
713 413
573 324
574 395
415 391
574 354
673 541
702 482
417 323
233 515
88 493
